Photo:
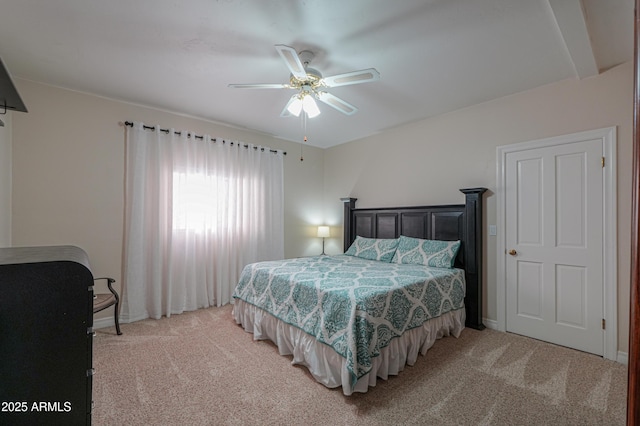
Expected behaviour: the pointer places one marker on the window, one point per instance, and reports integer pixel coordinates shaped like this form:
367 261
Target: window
194 202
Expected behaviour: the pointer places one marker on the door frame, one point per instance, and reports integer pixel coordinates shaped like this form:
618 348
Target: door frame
608 136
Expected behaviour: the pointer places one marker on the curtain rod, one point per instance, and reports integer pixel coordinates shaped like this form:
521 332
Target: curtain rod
176 132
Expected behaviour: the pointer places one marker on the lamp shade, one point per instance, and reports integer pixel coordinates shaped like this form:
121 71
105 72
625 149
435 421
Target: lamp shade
323 232
310 106
295 105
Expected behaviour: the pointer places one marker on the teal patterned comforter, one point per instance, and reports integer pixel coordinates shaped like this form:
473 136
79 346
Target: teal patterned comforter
354 305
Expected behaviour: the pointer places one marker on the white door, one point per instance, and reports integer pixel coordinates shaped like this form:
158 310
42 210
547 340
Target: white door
554 244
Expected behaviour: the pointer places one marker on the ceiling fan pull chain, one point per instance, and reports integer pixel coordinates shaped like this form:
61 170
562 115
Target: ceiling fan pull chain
304 132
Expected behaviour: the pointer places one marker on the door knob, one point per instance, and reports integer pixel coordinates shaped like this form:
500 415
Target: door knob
512 252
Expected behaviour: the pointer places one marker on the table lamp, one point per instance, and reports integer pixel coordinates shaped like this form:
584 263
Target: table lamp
323 232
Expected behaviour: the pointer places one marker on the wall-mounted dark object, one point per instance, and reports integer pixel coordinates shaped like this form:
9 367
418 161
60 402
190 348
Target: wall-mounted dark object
9 97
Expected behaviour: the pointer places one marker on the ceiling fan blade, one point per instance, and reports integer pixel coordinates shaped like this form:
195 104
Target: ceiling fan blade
261 86
292 61
353 77
337 103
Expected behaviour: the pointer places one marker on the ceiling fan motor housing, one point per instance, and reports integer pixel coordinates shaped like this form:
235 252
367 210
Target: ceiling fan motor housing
306 57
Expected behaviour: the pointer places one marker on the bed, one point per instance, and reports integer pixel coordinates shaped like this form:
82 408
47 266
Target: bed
363 315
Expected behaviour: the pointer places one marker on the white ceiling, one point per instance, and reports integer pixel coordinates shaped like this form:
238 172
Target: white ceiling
434 56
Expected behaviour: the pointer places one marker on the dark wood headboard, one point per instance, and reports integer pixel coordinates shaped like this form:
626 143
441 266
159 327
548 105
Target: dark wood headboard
440 222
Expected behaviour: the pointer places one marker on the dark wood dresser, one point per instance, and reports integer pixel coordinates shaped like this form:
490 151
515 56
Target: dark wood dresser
46 336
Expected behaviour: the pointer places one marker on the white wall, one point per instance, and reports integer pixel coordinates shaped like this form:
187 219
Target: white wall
428 161
68 165
5 181
68 174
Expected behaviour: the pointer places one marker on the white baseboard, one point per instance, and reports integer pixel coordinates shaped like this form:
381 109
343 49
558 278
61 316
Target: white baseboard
103 323
623 358
492 324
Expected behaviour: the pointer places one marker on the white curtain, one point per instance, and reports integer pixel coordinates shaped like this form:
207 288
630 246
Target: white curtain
196 212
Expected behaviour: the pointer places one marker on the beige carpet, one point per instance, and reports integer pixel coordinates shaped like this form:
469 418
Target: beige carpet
200 368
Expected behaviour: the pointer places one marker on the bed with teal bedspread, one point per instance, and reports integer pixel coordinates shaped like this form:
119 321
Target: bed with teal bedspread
317 319
355 306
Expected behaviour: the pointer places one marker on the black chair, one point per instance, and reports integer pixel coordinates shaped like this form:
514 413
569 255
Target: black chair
102 301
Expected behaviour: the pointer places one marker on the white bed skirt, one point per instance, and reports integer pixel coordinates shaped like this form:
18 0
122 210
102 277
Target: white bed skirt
326 366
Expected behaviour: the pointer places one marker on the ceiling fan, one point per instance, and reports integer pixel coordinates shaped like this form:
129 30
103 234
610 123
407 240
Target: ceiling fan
310 84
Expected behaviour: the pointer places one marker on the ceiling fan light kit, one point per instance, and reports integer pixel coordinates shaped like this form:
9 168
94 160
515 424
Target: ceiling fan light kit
302 101
310 107
310 84
294 106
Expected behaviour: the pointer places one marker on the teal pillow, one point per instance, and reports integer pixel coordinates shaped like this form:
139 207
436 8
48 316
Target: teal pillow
434 253
381 249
